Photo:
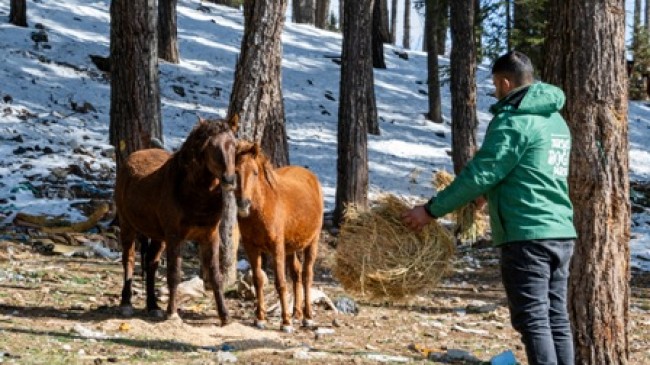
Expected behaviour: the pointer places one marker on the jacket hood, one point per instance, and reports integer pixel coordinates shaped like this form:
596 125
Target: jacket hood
538 98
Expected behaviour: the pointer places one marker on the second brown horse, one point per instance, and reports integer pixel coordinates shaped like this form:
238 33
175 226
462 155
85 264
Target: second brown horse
172 198
280 212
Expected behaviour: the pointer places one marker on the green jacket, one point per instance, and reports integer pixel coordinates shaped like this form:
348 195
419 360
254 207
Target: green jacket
521 168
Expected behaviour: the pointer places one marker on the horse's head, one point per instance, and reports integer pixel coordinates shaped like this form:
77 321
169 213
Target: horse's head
212 145
253 169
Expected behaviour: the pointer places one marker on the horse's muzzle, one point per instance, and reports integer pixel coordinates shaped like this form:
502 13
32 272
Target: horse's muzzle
243 207
229 182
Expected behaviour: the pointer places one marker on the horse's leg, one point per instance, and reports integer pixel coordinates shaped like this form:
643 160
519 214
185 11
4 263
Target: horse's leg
295 270
153 252
281 284
210 263
127 239
144 246
255 257
308 277
204 272
174 261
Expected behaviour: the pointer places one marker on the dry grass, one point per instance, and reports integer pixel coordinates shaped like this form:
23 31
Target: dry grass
377 256
471 223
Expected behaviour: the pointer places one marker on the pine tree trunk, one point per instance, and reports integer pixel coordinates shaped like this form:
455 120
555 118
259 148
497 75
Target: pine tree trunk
431 30
478 31
303 11
341 14
393 22
354 108
509 24
637 15
167 34
406 41
135 96
590 67
257 92
18 13
229 240
378 37
463 83
322 13
442 25
385 24
647 14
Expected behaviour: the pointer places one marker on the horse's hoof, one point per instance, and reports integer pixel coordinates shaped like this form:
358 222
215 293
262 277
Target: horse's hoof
308 323
225 321
287 328
174 317
260 324
126 311
157 313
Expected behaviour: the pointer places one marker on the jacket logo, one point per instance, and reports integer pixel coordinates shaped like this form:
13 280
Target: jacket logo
558 155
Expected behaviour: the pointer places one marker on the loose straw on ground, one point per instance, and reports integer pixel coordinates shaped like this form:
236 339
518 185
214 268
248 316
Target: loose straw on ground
377 256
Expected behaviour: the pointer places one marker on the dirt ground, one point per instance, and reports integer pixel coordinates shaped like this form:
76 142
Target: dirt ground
56 309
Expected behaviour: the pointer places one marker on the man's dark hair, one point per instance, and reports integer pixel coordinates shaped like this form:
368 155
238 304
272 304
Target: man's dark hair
516 66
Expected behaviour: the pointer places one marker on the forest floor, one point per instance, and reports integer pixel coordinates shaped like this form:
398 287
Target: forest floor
57 309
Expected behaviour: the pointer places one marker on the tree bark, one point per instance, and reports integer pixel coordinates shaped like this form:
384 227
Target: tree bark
637 15
257 90
442 25
322 14
478 31
590 36
354 108
463 83
406 41
385 25
135 96
379 36
229 234
341 14
431 29
509 24
18 13
167 31
303 11
647 14
393 22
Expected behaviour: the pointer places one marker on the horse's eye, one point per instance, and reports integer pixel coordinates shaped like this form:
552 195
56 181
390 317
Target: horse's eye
255 173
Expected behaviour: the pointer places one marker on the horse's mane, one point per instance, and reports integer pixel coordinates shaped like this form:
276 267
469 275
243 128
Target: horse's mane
254 150
188 157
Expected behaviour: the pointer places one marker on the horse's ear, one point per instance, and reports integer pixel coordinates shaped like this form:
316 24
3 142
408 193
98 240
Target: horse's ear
257 149
233 122
201 120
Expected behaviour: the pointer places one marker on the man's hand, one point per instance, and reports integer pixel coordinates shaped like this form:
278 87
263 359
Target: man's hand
480 202
416 218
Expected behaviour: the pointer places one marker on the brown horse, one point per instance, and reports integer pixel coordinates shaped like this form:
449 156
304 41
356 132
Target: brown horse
172 198
280 212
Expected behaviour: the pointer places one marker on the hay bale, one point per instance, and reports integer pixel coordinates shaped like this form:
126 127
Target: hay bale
471 222
377 256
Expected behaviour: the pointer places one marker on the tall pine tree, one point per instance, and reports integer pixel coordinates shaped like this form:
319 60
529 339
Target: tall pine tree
356 107
586 58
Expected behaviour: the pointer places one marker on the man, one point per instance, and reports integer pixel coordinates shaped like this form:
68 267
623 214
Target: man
522 169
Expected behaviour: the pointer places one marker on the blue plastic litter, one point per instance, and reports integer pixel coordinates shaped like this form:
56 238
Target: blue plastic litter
504 358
